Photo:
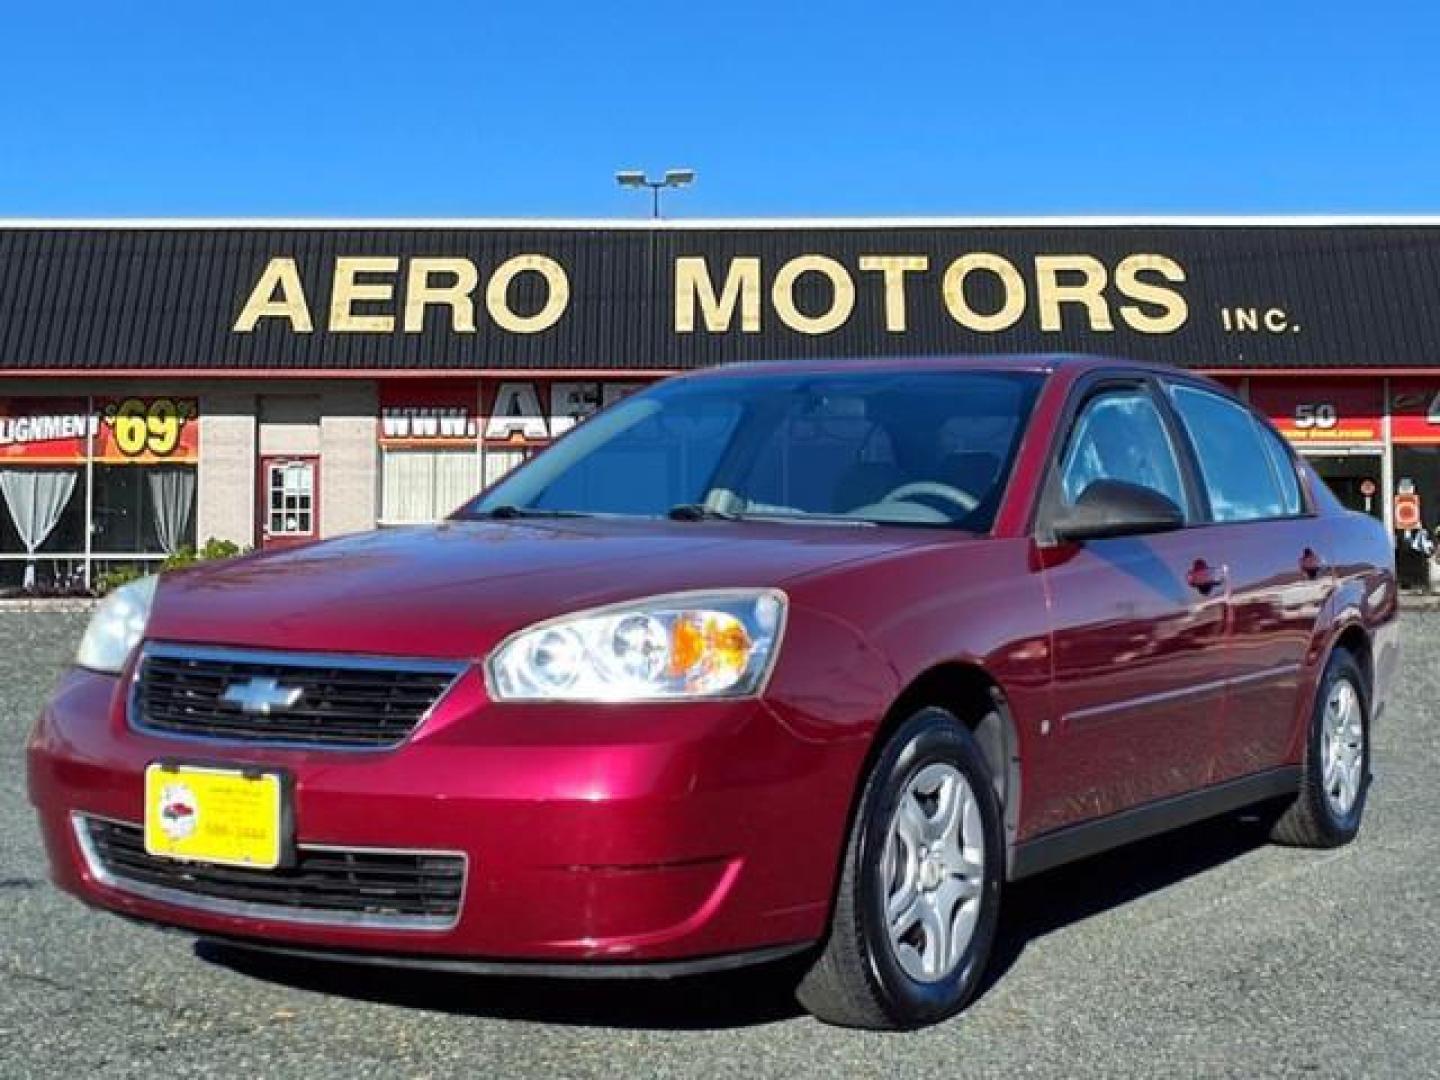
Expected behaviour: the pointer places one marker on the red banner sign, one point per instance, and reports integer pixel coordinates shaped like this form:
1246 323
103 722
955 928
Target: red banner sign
429 414
1322 410
1415 411
132 430
512 412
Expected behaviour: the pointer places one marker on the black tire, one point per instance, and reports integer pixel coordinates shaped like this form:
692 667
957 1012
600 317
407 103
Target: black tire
857 981
1311 820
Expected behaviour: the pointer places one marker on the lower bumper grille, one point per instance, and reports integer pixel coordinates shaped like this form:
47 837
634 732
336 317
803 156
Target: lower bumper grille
380 889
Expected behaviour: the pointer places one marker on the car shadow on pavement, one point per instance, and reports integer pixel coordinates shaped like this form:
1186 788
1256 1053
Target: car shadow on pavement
1070 894
762 995
733 999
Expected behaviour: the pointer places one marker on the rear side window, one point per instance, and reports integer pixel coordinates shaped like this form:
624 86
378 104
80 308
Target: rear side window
1236 461
1284 467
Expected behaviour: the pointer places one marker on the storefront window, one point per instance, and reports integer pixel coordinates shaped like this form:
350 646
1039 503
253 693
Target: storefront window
143 509
129 464
44 516
425 485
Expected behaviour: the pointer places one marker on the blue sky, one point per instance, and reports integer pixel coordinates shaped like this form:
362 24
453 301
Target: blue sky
486 108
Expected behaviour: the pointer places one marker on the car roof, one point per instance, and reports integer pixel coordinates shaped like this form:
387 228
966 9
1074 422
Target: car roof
1037 363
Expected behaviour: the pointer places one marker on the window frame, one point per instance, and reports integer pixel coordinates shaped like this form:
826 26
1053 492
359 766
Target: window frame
1263 428
1086 390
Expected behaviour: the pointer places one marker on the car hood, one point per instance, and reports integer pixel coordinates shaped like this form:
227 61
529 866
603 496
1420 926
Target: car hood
453 590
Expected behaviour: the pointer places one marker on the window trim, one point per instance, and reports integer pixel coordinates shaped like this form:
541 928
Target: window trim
1307 504
1085 391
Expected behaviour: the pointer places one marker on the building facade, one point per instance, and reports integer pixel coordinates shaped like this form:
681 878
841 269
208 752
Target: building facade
267 383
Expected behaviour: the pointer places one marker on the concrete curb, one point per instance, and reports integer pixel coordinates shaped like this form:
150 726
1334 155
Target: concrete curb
50 604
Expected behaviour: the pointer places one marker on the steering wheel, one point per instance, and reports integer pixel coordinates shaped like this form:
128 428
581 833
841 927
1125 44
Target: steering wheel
935 490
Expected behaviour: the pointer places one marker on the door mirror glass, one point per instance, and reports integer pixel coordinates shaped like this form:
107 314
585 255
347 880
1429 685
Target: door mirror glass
1117 508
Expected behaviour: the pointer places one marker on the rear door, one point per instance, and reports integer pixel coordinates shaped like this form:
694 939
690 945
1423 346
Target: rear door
1279 572
1138 622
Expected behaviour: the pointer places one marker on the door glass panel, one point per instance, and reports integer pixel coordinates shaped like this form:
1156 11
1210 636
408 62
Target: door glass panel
1284 468
1120 435
1228 443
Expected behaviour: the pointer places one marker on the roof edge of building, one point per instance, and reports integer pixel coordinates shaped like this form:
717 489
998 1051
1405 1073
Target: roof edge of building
666 224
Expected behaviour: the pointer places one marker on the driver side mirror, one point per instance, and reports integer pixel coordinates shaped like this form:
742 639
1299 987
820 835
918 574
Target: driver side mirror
1109 508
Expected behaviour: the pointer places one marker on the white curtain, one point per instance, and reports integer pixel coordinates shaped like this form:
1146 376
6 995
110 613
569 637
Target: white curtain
500 462
172 495
36 498
425 485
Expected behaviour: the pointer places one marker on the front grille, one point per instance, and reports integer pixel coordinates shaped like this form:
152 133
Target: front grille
414 890
344 701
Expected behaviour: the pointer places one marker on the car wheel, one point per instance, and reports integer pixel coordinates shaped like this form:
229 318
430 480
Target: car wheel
919 892
1326 813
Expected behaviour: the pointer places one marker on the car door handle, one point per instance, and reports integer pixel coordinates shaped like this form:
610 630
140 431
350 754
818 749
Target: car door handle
1311 564
1204 578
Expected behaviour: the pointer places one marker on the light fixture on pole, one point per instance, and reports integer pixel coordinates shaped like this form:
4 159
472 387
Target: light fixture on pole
673 178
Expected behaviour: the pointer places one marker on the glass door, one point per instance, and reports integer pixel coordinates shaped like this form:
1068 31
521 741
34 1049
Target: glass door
289 511
1354 476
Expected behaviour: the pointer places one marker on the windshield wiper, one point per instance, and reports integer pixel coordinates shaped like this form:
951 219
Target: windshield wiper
801 517
506 512
699 512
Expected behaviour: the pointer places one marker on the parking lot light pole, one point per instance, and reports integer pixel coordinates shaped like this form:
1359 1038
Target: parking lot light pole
673 178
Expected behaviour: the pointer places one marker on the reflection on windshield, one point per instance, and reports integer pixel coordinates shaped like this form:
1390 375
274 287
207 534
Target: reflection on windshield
916 448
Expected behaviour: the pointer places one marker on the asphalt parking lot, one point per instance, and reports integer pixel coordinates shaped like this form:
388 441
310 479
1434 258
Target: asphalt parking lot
1204 953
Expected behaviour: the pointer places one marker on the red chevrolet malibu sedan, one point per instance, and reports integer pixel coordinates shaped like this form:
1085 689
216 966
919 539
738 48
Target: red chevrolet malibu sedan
781 659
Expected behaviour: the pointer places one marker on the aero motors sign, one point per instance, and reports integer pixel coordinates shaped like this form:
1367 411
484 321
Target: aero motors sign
812 293
503 298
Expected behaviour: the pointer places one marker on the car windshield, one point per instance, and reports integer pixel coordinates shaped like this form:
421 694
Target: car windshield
905 448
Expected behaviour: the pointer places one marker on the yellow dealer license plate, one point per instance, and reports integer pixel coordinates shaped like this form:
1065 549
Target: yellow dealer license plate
226 816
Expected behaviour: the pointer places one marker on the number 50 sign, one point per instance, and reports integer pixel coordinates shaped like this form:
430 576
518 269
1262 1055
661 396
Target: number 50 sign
1322 415
154 429
1322 410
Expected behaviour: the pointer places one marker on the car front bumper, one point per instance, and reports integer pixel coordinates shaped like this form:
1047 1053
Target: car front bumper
624 835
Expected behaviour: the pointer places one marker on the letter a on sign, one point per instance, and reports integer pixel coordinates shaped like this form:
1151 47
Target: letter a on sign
279 295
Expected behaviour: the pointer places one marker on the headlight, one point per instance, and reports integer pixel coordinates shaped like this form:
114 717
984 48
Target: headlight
117 627
687 645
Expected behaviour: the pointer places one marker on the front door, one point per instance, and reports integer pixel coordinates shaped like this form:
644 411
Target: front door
289 510
1138 625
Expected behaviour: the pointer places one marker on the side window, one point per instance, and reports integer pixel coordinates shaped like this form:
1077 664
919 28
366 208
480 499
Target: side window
1284 467
1231 448
1120 435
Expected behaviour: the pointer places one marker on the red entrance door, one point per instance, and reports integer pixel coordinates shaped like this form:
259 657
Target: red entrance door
289 510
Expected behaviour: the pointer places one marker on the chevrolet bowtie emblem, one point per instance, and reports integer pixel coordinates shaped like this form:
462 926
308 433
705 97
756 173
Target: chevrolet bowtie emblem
260 695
